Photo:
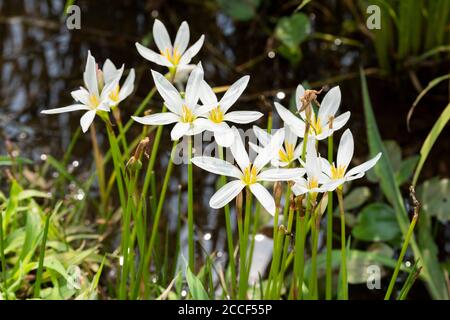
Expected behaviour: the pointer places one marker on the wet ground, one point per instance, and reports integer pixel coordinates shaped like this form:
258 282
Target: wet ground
41 61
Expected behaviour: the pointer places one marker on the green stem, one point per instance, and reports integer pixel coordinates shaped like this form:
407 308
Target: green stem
302 246
343 246
401 256
229 230
243 280
157 216
2 257
37 285
329 261
315 222
190 208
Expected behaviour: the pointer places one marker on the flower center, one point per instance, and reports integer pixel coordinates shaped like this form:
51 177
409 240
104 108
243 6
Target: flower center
316 126
288 155
337 173
172 55
93 101
186 114
250 174
313 183
114 95
216 115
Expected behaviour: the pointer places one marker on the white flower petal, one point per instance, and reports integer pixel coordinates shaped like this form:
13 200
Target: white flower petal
238 150
270 151
179 130
298 151
90 75
330 104
73 107
296 124
289 136
217 166
233 93
157 119
345 150
225 194
262 135
255 147
281 174
152 56
193 86
87 119
81 95
300 187
299 93
264 197
325 166
313 166
161 36
192 51
224 137
128 86
168 92
340 120
182 38
242 116
363 167
109 71
207 95
182 73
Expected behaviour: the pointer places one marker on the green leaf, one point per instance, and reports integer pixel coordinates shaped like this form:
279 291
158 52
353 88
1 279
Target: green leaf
7 161
406 169
434 195
196 288
293 30
431 139
27 194
376 222
241 10
356 197
431 270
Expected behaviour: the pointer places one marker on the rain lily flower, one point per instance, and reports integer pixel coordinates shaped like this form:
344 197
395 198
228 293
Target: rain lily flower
217 118
337 173
183 111
288 153
322 125
248 174
315 181
111 77
90 98
175 56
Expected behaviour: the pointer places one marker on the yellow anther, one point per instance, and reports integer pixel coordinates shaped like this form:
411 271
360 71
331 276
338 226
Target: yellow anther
114 95
93 101
337 173
313 183
316 126
288 155
216 115
250 174
172 55
186 115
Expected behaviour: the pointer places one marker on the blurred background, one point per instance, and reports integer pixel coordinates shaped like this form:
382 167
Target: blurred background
278 43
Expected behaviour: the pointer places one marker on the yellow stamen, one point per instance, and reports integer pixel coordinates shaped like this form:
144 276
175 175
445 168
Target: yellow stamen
172 55
313 183
114 95
337 173
216 115
288 155
315 126
186 115
93 101
250 174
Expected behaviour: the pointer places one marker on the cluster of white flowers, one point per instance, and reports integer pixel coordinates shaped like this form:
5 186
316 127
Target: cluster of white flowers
198 109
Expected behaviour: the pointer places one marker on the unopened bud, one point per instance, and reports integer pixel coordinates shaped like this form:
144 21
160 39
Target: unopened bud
100 78
277 192
134 164
239 200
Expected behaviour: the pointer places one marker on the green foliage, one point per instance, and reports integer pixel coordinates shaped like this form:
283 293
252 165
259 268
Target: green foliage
434 195
241 10
376 222
291 32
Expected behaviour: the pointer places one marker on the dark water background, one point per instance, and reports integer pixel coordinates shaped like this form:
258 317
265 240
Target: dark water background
41 61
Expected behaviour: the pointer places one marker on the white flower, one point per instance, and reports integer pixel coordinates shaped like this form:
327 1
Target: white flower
111 76
184 111
217 117
247 174
90 98
315 179
288 153
171 56
338 174
320 124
